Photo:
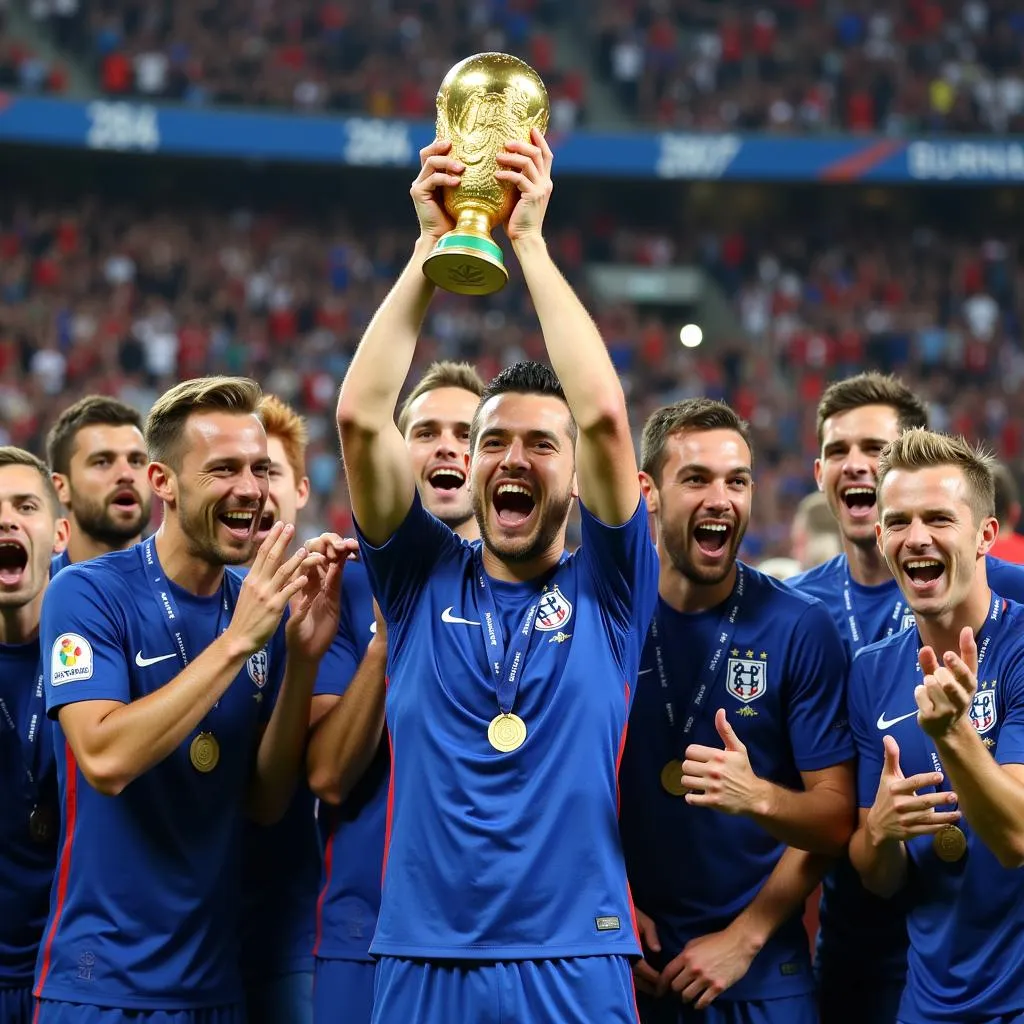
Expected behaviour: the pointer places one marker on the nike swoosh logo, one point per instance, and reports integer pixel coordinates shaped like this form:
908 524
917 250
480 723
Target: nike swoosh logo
146 662
454 620
644 671
887 723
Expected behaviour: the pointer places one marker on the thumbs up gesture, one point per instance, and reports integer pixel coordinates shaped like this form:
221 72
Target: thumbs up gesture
723 779
899 811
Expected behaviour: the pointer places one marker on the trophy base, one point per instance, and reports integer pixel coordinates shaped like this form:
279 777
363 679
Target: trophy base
466 264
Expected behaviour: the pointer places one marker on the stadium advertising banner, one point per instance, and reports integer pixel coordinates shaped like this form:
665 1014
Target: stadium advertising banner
374 142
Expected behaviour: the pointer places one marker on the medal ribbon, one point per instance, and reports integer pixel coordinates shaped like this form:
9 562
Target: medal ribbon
169 613
31 727
857 637
706 681
507 665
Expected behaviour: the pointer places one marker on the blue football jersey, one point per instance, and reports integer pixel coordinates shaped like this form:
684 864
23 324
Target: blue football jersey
858 931
144 913
508 855
965 919
1005 578
59 562
781 677
280 875
28 785
353 833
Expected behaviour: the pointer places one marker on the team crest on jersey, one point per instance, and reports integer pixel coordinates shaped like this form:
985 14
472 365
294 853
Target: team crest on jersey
983 708
908 621
747 678
554 610
70 659
259 667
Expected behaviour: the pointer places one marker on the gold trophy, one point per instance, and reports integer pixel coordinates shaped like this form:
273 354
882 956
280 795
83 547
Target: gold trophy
484 101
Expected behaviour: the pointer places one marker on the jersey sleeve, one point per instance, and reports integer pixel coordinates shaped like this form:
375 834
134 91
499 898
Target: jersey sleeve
399 567
1010 744
866 738
1005 578
82 637
622 563
818 725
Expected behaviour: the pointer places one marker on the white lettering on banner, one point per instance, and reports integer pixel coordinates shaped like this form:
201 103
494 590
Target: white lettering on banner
981 161
696 156
373 142
122 126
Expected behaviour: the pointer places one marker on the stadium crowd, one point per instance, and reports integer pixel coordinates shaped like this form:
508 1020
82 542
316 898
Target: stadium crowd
787 66
172 702
111 297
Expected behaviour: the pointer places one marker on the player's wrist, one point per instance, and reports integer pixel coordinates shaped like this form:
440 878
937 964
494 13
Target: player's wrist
749 933
953 739
763 799
235 646
530 245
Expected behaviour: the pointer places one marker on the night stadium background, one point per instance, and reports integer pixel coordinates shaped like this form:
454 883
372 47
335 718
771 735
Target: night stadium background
195 187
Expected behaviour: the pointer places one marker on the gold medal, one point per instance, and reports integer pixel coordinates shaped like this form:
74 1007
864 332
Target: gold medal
672 779
204 752
949 843
506 732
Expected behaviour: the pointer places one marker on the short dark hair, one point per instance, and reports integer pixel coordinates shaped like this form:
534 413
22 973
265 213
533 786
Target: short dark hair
1007 494
11 456
172 409
525 378
445 373
691 414
91 411
872 388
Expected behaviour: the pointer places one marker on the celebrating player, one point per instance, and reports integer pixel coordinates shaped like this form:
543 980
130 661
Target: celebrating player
98 459
738 757
281 862
510 664
31 532
347 760
161 667
857 417
938 718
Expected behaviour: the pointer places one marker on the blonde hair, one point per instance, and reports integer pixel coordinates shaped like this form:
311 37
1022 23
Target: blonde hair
922 449
444 373
172 409
280 420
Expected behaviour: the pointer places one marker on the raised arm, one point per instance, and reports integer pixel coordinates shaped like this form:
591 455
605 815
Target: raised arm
606 460
380 480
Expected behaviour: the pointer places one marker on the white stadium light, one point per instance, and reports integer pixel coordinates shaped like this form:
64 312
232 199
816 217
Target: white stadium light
691 335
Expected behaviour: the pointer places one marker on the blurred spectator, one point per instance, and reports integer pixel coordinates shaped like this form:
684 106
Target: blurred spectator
793 66
127 296
815 533
1009 544
383 59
